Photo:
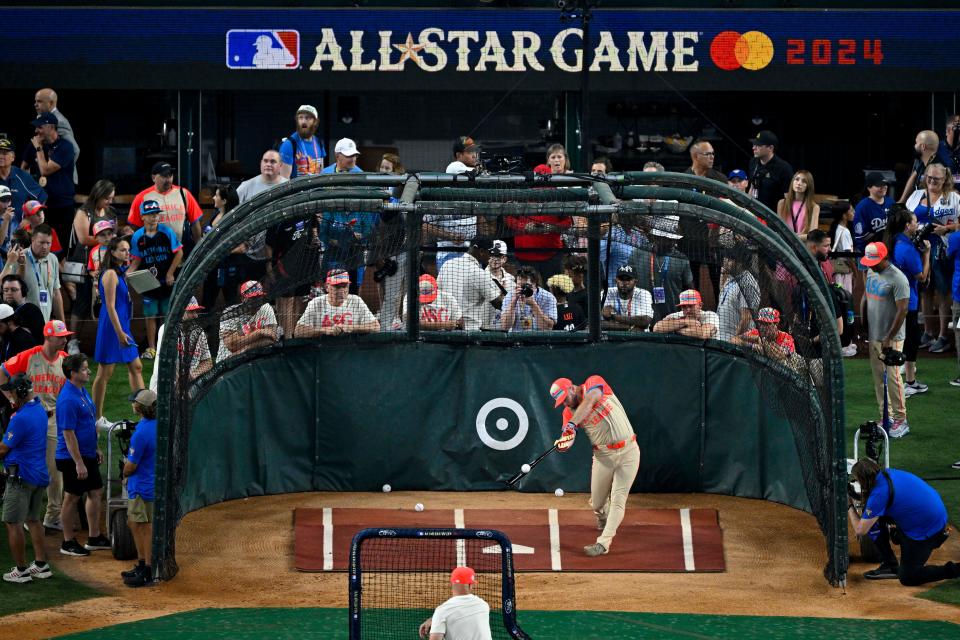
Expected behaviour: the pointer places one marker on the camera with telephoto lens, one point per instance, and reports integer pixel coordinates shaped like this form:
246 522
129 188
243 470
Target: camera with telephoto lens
921 236
872 431
891 357
387 269
526 291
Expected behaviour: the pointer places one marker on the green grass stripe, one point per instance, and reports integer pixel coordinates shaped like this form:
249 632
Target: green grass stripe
331 624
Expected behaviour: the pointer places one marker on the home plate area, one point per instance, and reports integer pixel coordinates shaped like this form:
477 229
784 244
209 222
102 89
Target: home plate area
655 540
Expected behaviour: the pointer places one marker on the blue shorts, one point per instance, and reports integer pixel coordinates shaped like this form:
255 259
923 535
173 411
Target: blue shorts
153 308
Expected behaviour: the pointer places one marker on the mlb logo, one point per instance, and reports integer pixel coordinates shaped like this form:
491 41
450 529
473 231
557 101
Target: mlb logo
259 49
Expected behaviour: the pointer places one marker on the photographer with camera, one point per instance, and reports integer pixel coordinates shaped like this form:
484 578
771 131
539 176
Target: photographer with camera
528 307
901 508
911 254
23 451
888 297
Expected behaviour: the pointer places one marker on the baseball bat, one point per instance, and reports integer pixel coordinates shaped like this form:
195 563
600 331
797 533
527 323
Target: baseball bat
522 474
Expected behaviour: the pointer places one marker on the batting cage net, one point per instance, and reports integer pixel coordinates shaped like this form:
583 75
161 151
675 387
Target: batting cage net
398 577
509 260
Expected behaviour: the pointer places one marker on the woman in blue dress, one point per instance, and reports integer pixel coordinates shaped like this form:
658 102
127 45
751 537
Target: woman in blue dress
114 339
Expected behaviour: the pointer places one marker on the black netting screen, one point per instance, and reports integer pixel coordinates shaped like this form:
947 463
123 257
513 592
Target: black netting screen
512 260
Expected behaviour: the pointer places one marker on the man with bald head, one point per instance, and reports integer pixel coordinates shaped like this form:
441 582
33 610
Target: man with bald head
45 101
702 157
926 146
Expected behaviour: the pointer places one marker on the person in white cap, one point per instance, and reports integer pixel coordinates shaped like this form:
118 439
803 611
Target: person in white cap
194 340
302 154
13 337
465 616
345 154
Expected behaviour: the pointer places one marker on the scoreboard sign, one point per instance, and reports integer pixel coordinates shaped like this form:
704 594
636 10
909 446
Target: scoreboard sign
481 49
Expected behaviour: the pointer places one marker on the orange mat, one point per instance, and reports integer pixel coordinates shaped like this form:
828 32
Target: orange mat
656 540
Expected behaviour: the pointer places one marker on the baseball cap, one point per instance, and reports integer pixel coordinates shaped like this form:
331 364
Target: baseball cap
559 390
56 329
45 118
875 179
6 145
102 225
873 254
338 277
161 168
5 192
626 272
768 314
347 147
6 311
464 143
542 170
562 282
457 168
251 289
689 297
32 208
499 248
737 174
150 208
463 575
308 109
765 137
143 397
428 289
193 305
482 243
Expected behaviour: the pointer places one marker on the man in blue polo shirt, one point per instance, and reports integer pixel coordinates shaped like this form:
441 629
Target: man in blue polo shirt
78 458
23 450
915 509
139 472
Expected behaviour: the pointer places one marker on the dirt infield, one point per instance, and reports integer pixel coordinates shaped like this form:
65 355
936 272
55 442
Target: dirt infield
240 554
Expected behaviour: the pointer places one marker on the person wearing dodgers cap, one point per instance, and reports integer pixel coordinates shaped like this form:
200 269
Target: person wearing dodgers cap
302 153
593 407
691 320
464 615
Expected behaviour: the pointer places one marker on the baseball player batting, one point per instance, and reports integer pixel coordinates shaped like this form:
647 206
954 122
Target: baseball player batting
591 406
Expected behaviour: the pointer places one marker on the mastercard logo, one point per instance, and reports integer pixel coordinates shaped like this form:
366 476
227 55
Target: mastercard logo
731 50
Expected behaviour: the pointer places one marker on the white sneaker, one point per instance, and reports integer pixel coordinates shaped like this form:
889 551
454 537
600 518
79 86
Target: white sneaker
899 428
38 572
16 575
103 424
850 350
73 347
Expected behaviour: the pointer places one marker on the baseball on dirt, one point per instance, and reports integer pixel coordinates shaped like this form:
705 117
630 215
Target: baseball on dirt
418 507
525 468
387 488
558 493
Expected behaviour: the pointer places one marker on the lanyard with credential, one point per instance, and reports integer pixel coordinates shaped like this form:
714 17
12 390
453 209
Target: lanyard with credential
663 271
36 271
620 306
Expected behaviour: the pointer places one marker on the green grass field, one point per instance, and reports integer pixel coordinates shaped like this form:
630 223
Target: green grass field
929 450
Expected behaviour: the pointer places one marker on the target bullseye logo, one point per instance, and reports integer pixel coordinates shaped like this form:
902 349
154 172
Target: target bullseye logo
731 50
502 424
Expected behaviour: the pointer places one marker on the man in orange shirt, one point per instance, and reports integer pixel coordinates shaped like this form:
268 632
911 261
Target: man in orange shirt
43 364
179 209
592 407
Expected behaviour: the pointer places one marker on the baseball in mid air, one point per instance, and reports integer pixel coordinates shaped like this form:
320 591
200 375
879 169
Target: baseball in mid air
418 506
558 493
387 488
525 468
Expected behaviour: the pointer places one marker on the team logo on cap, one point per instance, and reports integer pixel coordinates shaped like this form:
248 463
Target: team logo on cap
260 49
556 391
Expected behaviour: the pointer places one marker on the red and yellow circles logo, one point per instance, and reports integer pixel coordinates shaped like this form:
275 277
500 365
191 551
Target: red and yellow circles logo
732 50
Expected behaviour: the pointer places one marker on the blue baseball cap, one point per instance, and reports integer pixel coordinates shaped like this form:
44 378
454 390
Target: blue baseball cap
45 118
150 207
737 174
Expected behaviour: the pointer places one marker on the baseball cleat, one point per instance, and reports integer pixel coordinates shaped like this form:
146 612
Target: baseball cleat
595 549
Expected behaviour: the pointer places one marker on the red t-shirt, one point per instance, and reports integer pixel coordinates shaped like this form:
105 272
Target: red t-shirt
784 339
46 375
55 246
550 241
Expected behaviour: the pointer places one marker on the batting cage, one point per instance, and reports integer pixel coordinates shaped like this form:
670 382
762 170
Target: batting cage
405 329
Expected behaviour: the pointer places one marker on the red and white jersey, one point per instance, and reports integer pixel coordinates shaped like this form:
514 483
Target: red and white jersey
320 313
443 309
245 324
607 422
46 375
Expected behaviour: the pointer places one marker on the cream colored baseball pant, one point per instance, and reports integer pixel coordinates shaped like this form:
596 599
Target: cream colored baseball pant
897 401
55 488
613 473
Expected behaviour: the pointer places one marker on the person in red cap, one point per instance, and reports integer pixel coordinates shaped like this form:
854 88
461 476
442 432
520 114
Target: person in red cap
465 616
337 312
43 364
691 320
33 216
887 295
439 311
593 407
767 338
248 325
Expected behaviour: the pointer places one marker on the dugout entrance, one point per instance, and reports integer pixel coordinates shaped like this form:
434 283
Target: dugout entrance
427 408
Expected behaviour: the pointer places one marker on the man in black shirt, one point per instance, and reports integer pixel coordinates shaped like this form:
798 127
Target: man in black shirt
13 337
295 257
769 174
28 315
575 266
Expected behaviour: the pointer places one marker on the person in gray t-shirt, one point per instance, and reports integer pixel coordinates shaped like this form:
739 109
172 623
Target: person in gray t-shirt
887 293
269 178
739 298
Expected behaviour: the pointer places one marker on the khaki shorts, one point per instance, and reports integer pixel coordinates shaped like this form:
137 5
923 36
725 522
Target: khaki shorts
139 510
23 502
